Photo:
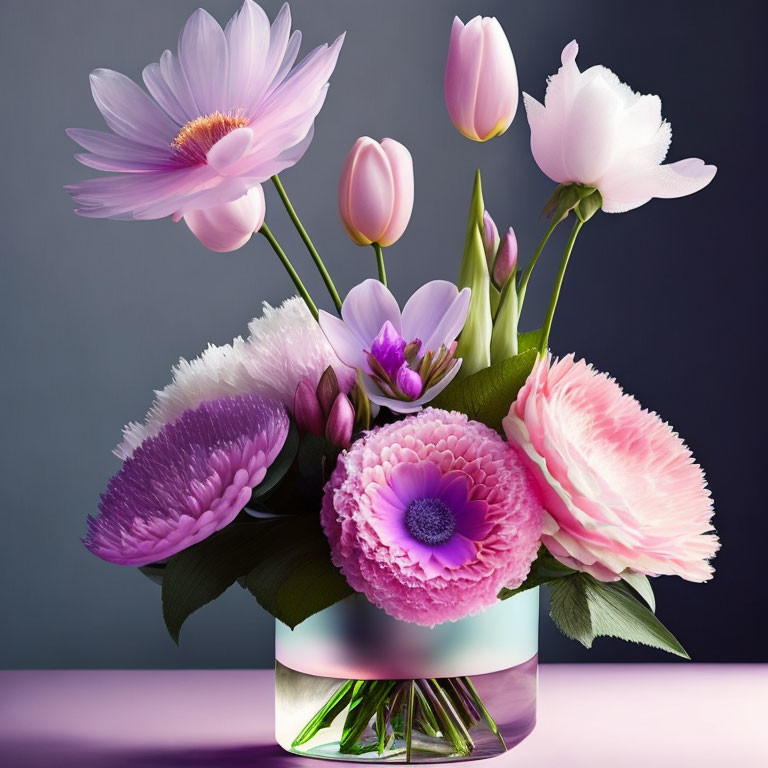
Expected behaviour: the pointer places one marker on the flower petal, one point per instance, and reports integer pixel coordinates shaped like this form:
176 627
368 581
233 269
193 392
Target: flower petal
129 112
345 344
367 307
401 164
247 36
371 191
455 552
204 58
412 481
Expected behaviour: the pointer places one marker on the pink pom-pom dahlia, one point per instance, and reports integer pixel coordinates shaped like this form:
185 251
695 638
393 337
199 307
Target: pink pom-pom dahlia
188 481
620 488
431 516
229 111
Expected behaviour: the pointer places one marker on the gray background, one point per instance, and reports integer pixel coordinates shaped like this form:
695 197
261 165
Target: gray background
94 313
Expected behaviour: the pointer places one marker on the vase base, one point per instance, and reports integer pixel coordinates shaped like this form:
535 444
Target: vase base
405 721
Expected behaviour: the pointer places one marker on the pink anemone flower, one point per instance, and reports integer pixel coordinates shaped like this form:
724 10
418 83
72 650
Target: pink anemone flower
407 357
225 114
188 481
620 488
431 516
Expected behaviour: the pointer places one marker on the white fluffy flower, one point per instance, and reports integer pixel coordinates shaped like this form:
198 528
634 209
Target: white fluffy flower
283 346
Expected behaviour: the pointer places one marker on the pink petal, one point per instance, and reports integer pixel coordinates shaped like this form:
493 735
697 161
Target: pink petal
424 310
546 142
590 139
204 58
367 307
497 89
401 164
455 552
247 35
224 155
173 74
412 481
345 344
163 94
129 112
229 226
371 191
462 73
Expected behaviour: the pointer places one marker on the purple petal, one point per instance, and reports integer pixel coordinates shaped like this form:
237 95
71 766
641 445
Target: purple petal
248 40
412 481
345 344
367 307
289 59
129 112
162 93
451 322
402 406
173 74
408 382
454 489
455 552
422 312
471 520
204 58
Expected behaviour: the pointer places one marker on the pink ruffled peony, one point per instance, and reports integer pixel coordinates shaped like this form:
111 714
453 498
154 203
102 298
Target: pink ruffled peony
431 516
620 488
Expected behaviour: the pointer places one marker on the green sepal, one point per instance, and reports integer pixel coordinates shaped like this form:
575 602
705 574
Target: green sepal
279 466
504 341
567 197
474 346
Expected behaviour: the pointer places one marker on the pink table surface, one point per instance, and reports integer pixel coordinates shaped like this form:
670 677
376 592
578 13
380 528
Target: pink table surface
627 716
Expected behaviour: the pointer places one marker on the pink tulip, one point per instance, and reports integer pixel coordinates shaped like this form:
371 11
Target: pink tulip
376 191
593 129
306 408
490 238
480 79
228 226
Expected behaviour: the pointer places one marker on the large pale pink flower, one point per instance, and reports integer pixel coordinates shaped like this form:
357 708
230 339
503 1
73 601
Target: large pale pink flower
595 130
620 488
431 516
226 113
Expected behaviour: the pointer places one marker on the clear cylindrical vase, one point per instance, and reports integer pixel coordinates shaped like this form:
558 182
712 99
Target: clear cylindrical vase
354 684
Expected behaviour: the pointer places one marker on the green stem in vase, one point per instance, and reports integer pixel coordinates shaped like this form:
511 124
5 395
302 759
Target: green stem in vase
307 241
478 702
409 722
294 275
330 711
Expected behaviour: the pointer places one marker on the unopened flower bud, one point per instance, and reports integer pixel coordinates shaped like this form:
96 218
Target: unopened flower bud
506 259
490 239
306 408
327 390
409 382
341 421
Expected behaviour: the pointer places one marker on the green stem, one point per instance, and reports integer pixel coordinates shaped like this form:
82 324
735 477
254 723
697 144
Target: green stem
380 262
478 702
529 269
270 238
307 241
547 327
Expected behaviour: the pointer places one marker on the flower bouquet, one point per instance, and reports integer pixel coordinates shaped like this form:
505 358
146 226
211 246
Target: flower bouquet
393 484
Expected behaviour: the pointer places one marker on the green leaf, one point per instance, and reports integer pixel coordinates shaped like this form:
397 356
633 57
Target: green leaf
280 465
569 609
486 395
154 572
528 340
640 583
295 578
585 608
544 570
317 457
201 573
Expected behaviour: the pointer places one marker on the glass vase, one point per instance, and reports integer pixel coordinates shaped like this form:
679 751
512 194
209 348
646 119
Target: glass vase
354 684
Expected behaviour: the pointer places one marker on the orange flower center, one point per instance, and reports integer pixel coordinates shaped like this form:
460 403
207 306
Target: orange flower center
195 139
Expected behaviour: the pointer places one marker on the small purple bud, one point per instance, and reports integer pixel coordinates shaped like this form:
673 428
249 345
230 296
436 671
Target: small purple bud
409 382
506 259
340 422
389 348
327 390
306 408
490 239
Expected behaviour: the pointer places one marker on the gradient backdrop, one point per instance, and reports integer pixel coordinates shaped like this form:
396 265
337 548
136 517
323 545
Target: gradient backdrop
93 314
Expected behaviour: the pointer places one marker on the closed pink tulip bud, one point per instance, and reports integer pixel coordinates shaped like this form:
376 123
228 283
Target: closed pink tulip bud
480 79
506 258
376 191
341 421
490 239
229 226
306 408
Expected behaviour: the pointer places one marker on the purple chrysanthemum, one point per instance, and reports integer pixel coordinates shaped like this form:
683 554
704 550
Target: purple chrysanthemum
431 516
188 481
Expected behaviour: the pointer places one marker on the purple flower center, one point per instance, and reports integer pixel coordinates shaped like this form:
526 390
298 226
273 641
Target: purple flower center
395 361
430 521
